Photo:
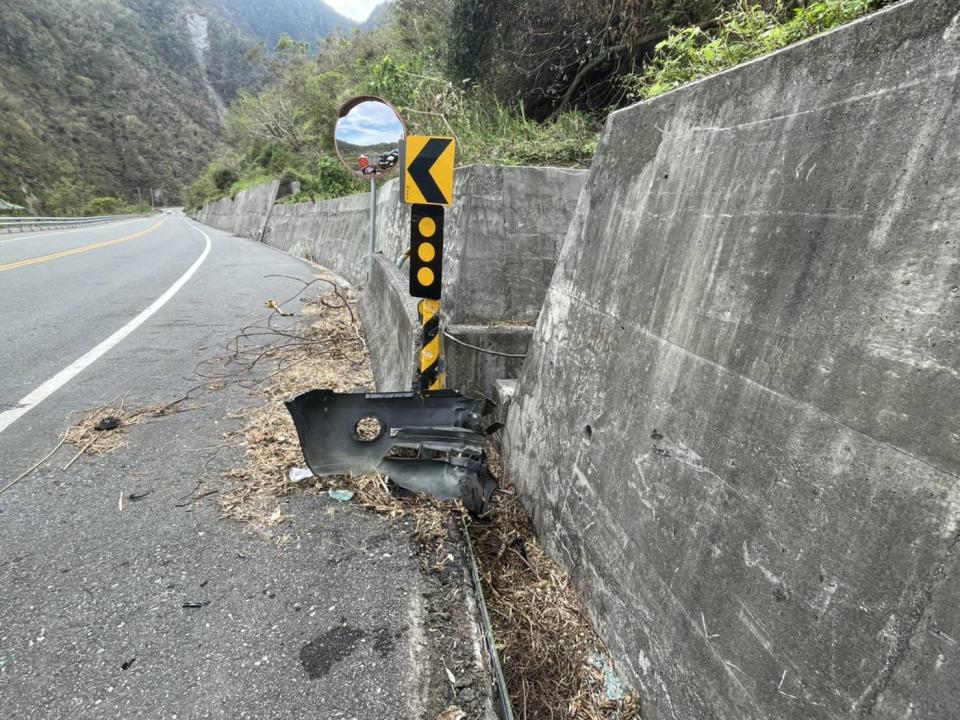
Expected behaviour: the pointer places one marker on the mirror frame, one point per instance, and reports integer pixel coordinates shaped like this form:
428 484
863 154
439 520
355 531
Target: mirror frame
344 111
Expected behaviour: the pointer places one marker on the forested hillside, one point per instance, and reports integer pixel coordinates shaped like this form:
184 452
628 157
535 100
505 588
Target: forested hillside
115 97
527 82
102 97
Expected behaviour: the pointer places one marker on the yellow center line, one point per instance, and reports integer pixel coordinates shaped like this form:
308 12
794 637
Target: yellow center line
78 250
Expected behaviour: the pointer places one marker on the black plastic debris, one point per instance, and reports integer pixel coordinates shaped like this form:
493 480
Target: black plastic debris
431 443
107 423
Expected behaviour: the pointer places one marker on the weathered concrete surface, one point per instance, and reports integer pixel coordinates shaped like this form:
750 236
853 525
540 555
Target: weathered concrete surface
739 427
246 214
502 239
333 233
475 372
390 323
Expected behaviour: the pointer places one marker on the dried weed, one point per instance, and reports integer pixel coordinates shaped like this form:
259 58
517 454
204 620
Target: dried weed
544 636
329 352
91 440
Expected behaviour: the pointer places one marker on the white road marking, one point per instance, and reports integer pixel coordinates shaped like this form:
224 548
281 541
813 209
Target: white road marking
36 397
27 236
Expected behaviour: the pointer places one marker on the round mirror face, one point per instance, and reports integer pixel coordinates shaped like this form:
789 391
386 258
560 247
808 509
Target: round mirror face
368 137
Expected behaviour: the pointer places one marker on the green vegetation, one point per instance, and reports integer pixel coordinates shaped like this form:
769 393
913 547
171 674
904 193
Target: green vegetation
515 83
286 130
110 93
100 206
741 34
73 198
121 97
307 20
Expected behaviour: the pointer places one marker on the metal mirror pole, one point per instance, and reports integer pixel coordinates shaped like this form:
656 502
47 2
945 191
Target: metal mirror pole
372 241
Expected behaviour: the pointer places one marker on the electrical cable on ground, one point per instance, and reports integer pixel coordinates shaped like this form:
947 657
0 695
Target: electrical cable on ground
505 706
458 341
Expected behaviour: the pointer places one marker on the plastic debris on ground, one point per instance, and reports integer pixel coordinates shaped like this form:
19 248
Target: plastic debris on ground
340 495
299 474
107 423
611 682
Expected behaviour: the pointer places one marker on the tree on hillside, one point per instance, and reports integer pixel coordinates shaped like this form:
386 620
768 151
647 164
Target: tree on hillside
555 54
68 197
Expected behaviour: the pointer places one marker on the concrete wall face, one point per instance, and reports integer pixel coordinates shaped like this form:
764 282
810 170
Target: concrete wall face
503 239
390 322
739 426
246 214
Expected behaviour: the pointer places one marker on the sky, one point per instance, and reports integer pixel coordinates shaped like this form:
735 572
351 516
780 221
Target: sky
358 10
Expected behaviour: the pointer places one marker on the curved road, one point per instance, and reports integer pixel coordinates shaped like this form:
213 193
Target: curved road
92 616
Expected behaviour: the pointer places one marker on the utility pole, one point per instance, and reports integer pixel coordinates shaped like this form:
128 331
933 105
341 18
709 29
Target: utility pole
139 197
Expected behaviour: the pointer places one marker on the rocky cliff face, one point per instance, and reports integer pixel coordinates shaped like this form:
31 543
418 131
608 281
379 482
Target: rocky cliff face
117 95
198 26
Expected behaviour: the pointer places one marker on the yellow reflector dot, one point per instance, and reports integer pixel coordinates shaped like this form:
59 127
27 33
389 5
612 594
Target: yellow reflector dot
427 227
427 252
425 276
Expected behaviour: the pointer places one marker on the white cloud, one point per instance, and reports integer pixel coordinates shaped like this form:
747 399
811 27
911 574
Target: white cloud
358 10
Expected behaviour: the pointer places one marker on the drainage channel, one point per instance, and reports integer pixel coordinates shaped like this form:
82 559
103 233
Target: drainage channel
506 709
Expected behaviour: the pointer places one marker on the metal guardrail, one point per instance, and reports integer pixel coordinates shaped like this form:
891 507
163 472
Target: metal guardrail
23 224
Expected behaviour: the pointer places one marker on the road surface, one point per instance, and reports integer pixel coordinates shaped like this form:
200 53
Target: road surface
92 623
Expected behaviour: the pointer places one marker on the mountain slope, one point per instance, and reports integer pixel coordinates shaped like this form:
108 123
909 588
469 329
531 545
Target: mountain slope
110 93
379 17
307 20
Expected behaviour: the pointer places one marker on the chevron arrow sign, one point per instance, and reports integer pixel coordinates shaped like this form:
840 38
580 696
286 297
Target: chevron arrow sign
428 170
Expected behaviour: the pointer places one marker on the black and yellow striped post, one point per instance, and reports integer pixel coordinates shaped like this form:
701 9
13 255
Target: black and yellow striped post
431 375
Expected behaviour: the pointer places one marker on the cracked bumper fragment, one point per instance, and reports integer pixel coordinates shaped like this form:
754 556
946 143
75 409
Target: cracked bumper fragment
430 443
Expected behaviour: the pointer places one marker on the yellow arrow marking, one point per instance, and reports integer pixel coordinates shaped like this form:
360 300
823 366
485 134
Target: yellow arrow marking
77 250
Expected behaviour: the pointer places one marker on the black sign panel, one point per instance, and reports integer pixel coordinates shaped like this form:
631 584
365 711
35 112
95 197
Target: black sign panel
426 251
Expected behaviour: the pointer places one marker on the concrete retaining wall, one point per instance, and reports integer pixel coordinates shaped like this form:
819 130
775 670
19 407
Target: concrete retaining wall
246 214
739 426
502 239
334 233
390 323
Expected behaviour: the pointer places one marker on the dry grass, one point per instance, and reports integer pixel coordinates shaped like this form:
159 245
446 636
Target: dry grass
545 638
90 440
326 350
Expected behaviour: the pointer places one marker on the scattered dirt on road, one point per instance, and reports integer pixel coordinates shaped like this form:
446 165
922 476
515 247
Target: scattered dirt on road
324 348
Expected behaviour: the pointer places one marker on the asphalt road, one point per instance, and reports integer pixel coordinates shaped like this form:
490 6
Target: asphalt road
92 623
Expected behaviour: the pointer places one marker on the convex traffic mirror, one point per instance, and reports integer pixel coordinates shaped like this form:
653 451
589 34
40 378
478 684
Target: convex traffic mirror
368 135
